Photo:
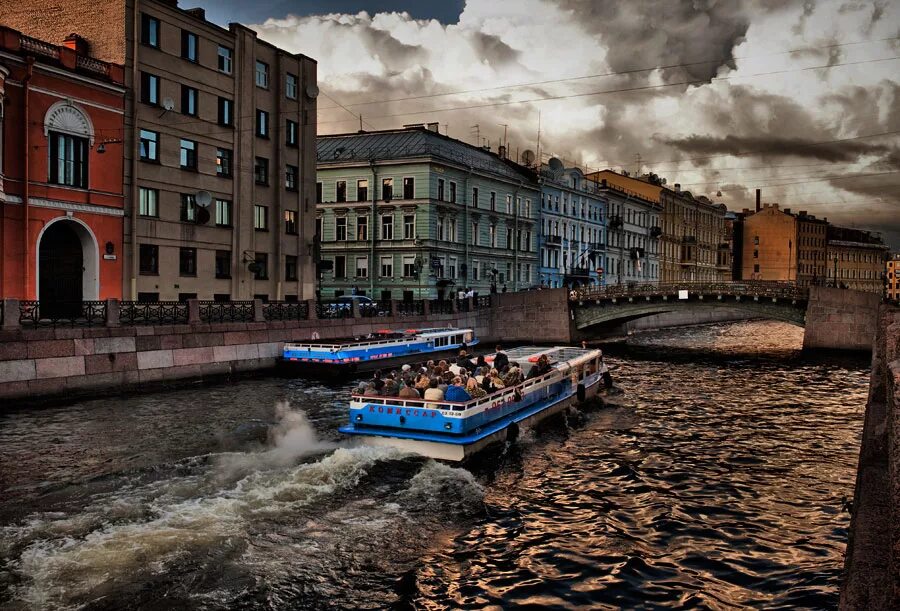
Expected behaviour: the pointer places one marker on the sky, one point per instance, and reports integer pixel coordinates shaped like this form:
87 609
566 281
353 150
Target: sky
800 98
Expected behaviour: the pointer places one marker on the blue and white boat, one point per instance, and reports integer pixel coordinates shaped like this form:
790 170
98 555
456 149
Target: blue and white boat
453 431
383 349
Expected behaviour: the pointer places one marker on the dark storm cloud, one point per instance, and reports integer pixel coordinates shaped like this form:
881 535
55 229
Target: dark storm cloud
774 146
493 49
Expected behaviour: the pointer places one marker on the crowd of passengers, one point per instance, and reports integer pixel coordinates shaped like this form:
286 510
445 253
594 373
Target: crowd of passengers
458 379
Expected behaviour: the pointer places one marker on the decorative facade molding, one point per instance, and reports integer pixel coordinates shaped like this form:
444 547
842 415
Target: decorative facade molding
40 202
67 118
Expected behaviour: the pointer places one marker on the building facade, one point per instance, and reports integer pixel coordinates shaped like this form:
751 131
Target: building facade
812 249
769 245
632 244
61 189
219 147
412 214
892 277
857 259
572 228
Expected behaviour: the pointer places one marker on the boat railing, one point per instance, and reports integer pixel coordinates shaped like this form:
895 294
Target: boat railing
338 347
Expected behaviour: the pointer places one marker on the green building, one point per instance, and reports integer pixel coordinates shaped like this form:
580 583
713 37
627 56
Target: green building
413 214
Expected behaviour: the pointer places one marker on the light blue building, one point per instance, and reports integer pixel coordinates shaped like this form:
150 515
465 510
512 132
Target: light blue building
572 228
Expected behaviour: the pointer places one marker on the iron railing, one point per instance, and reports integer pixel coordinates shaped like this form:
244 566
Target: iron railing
375 308
411 308
153 313
62 313
441 306
482 302
783 290
333 309
226 311
286 310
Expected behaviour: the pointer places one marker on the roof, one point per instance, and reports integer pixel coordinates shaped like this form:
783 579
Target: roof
412 143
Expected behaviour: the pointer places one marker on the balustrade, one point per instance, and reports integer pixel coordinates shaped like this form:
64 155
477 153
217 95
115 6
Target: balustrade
286 310
62 313
153 313
226 311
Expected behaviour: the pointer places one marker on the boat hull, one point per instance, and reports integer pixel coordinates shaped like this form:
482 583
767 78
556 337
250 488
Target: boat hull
456 450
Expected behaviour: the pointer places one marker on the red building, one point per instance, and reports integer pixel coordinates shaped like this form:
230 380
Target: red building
61 171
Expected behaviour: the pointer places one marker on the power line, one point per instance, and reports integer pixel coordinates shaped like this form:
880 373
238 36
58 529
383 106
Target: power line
621 90
605 74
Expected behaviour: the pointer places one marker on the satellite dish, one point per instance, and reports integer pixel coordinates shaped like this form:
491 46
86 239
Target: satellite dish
204 199
168 103
556 166
528 157
254 267
203 216
312 91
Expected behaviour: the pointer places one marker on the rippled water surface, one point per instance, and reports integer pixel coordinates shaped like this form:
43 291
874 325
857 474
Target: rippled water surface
717 483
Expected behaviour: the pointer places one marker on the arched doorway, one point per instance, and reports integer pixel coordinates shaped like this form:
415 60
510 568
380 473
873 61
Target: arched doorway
61 270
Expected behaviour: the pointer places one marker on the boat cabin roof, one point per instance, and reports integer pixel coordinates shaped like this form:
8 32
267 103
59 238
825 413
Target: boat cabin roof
380 337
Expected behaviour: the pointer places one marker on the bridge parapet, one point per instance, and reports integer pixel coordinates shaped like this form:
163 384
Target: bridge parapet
774 290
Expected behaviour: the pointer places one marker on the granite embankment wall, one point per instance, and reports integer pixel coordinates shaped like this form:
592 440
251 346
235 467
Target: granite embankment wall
872 564
38 364
839 319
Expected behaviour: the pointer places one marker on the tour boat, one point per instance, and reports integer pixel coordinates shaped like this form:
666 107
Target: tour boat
381 350
453 431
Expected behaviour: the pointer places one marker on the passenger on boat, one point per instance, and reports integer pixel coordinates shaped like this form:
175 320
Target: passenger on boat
474 388
500 359
454 367
433 393
540 368
390 388
408 392
371 391
456 391
496 380
514 376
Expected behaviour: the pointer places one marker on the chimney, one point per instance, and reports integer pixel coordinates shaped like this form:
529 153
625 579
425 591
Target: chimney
677 187
758 198
434 127
501 152
76 43
198 12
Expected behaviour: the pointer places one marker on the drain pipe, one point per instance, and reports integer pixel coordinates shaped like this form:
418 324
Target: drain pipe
372 231
29 72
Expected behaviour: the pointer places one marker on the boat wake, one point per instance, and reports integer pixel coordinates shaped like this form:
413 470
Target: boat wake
236 527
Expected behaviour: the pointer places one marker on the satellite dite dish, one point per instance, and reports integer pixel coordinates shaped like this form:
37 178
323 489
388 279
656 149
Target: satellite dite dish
556 165
312 91
528 157
168 104
204 199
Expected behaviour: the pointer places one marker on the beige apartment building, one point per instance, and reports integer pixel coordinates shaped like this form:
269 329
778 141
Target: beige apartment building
769 245
856 259
811 249
219 148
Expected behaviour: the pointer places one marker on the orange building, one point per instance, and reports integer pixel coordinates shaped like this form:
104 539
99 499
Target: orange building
61 164
769 250
892 276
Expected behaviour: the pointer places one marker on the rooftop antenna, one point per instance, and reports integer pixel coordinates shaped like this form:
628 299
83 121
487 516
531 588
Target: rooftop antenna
505 139
476 130
360 122
637 160
539 140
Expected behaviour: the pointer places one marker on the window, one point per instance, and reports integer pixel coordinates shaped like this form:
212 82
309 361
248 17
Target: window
440 193
189 100
318 193
223 213
149 89
756 254
362 267
362 228
387 227
148 297
451 230
409 266
291 137
453 192
387 266
290 222
509 204
362 190
189 46
756 268
261 171
528 209
150 31
262 123
262 261
492 230
340 191
474 197
188 208
149 145
149 259
223 162
340 266
290 86
439 225
387 189
188 155
319 227
290 267
225 59
451 270
187 261
509 238
409 227
290 177
223 264
148 204
68 160
409 188
226 112
260 218
262 74
340 228
476 268
493 201
474 233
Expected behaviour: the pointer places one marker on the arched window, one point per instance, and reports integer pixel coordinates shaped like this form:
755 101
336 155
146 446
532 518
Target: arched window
70 135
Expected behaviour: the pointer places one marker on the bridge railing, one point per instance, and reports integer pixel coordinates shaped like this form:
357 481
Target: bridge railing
783 290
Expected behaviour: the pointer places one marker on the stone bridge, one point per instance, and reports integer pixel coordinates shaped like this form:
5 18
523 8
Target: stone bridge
833 318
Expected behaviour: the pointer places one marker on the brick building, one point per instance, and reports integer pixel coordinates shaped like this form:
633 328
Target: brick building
769 245
218 146
811 249
61 188
892 277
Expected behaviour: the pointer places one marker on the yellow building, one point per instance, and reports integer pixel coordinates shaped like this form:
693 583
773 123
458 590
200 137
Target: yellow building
892 274
856 259
769 250
693 243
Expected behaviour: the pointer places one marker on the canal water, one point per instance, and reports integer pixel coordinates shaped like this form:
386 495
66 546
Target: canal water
717 484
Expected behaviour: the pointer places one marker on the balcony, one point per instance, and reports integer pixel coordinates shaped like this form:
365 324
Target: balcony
553 240
597 246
